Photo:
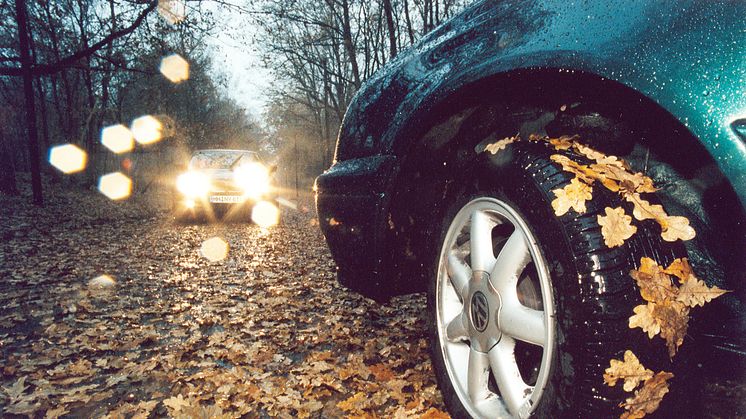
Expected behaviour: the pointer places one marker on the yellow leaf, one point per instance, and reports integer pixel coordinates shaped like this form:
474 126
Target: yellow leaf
647 399
581 171
500 144
630 370
655 284
616 226
694 292
644 210
677 228
680 268
356 403
433 413
564 142
573 195
643 318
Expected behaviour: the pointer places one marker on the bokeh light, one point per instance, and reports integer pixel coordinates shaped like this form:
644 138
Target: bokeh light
265 214
101 282
214 249
117 138
115 186
146 129
68 158
175 68
172 11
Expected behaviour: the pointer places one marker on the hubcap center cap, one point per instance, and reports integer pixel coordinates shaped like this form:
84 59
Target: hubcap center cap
480 311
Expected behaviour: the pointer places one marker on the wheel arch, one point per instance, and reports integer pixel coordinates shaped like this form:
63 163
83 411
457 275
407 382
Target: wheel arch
437 146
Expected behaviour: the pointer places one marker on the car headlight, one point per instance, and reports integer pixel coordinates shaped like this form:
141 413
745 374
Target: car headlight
252 178
193 184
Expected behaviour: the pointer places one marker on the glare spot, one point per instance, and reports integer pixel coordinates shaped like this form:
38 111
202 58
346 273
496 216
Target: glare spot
103 281
146 129
175 68
214 249
68 158
115 186
265 214
172 11
117 138
287 203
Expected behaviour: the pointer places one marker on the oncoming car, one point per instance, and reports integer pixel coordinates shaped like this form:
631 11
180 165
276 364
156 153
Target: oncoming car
222 183
558 177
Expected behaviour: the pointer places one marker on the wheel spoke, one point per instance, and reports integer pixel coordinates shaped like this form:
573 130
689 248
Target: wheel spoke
478 376
480 235
511 261
522 323
507 376
459 273
457 331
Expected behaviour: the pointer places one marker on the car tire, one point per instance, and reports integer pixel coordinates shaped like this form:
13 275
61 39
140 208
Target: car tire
556 283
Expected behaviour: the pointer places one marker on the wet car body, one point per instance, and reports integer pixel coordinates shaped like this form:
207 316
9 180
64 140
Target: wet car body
222 194
674 71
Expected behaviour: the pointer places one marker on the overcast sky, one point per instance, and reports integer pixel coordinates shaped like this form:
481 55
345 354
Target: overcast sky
235 57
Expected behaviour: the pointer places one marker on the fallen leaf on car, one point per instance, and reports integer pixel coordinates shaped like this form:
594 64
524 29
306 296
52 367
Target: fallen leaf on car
573 195
500 144
616 226
647 399
694 292
630 370
655 284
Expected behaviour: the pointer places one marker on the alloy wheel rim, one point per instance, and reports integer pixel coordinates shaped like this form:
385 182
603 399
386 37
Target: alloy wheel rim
495 311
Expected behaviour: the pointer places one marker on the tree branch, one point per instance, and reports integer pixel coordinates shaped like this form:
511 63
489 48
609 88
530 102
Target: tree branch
47 69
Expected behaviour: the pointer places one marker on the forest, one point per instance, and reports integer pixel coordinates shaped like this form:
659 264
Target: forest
71 68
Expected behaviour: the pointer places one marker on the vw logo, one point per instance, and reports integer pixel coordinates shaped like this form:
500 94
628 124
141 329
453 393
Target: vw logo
479 311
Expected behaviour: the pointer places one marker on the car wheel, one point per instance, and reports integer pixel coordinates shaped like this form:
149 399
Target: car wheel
527 309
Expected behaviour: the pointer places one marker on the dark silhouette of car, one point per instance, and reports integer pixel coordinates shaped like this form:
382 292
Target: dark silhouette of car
526 308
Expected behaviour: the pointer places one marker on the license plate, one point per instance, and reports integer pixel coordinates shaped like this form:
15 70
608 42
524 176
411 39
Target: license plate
225 199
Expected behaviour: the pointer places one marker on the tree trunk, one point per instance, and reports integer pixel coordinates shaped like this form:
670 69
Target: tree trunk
28 92
391 28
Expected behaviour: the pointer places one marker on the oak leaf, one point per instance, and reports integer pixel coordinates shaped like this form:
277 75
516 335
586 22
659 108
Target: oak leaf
655 284
643 318
673 318
433 413
581 171
176 403
495 147
644 210
564 142
616 226
676 228
647 399
679 268
573 195
694 292
630 370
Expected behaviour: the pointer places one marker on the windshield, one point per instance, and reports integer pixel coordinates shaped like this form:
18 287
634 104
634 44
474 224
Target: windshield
221 159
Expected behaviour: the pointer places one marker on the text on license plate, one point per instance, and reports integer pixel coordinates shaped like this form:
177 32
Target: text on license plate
225 199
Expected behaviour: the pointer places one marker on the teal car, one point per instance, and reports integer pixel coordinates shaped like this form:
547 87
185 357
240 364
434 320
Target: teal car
446 179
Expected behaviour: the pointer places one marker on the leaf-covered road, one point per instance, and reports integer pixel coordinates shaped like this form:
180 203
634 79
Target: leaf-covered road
266 332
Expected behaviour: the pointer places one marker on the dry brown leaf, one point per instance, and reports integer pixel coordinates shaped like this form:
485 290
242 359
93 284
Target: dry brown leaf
679 268
673 318
176 403
647 399
354 404
581 171
676 228
564 142
643 318
433 413
630 370
381 372
495 147
573 195
616 226
644 210
655 284
694 292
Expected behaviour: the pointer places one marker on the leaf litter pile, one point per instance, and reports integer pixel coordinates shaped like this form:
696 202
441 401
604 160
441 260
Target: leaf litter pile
109 310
